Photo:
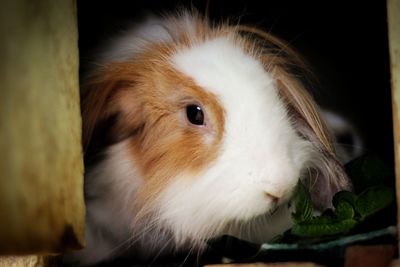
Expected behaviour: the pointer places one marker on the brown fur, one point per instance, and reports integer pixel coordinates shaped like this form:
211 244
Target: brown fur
149 97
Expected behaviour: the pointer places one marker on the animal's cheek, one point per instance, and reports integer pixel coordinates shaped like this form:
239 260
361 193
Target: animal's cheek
170 154
204 208
166 159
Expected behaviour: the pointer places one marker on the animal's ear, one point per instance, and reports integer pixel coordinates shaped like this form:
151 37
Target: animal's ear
327 174
102 106
284 63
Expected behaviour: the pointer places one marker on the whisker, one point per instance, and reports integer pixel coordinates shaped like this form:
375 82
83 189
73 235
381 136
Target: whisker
249 225
187 256
160 252
134 238
198 258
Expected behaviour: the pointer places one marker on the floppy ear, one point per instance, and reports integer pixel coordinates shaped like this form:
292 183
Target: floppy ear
327 175
102 97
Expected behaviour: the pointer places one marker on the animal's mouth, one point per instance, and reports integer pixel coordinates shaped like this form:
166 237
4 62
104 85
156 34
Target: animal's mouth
262 227
286 204
274 209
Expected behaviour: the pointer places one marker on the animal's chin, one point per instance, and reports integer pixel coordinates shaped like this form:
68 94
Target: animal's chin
272 211
257 229
263 223
262 227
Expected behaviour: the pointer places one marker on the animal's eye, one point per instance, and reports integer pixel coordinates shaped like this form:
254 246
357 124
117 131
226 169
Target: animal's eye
195 114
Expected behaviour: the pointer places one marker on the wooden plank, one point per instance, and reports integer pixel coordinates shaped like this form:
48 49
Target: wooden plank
22 261
259 264
369 256
31 261
395 263
41 166
394 47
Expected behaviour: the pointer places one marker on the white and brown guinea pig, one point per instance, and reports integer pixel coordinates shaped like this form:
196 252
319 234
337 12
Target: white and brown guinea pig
194 130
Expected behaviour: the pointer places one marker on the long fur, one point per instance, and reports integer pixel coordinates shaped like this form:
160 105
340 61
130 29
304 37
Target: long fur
155 184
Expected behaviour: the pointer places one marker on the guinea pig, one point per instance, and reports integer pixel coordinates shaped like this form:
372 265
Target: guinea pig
192 130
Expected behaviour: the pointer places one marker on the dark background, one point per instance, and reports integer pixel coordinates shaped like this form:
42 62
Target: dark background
345 42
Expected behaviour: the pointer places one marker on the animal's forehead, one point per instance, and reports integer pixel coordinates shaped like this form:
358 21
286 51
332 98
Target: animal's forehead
221 66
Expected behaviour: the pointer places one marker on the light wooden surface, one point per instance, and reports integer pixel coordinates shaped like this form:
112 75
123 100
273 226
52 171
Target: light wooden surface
31 261
278 264
394 46
369 256
26 261
41 168
22 261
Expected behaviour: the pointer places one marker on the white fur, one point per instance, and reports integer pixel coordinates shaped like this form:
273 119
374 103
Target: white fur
109 188
135 39
261 151
261 154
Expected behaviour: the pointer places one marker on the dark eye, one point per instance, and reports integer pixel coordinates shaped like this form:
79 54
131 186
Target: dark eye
195 114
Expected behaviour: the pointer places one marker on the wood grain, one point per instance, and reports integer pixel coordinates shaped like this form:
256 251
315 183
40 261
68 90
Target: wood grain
394 48
369 256
41 167
31 261
277 264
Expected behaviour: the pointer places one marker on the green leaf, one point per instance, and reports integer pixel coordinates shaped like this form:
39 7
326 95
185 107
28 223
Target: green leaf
329 227
319 220
344 210
373 200
303 204
367 171
344 203
346 196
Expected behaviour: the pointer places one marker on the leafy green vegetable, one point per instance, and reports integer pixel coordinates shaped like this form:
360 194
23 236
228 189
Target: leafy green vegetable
370 179
344 196
355 217
328 227
350 210
373 200
303 204
367 171
341 221
344 210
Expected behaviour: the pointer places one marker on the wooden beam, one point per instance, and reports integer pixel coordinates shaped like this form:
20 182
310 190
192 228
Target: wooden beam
41 166
393 7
